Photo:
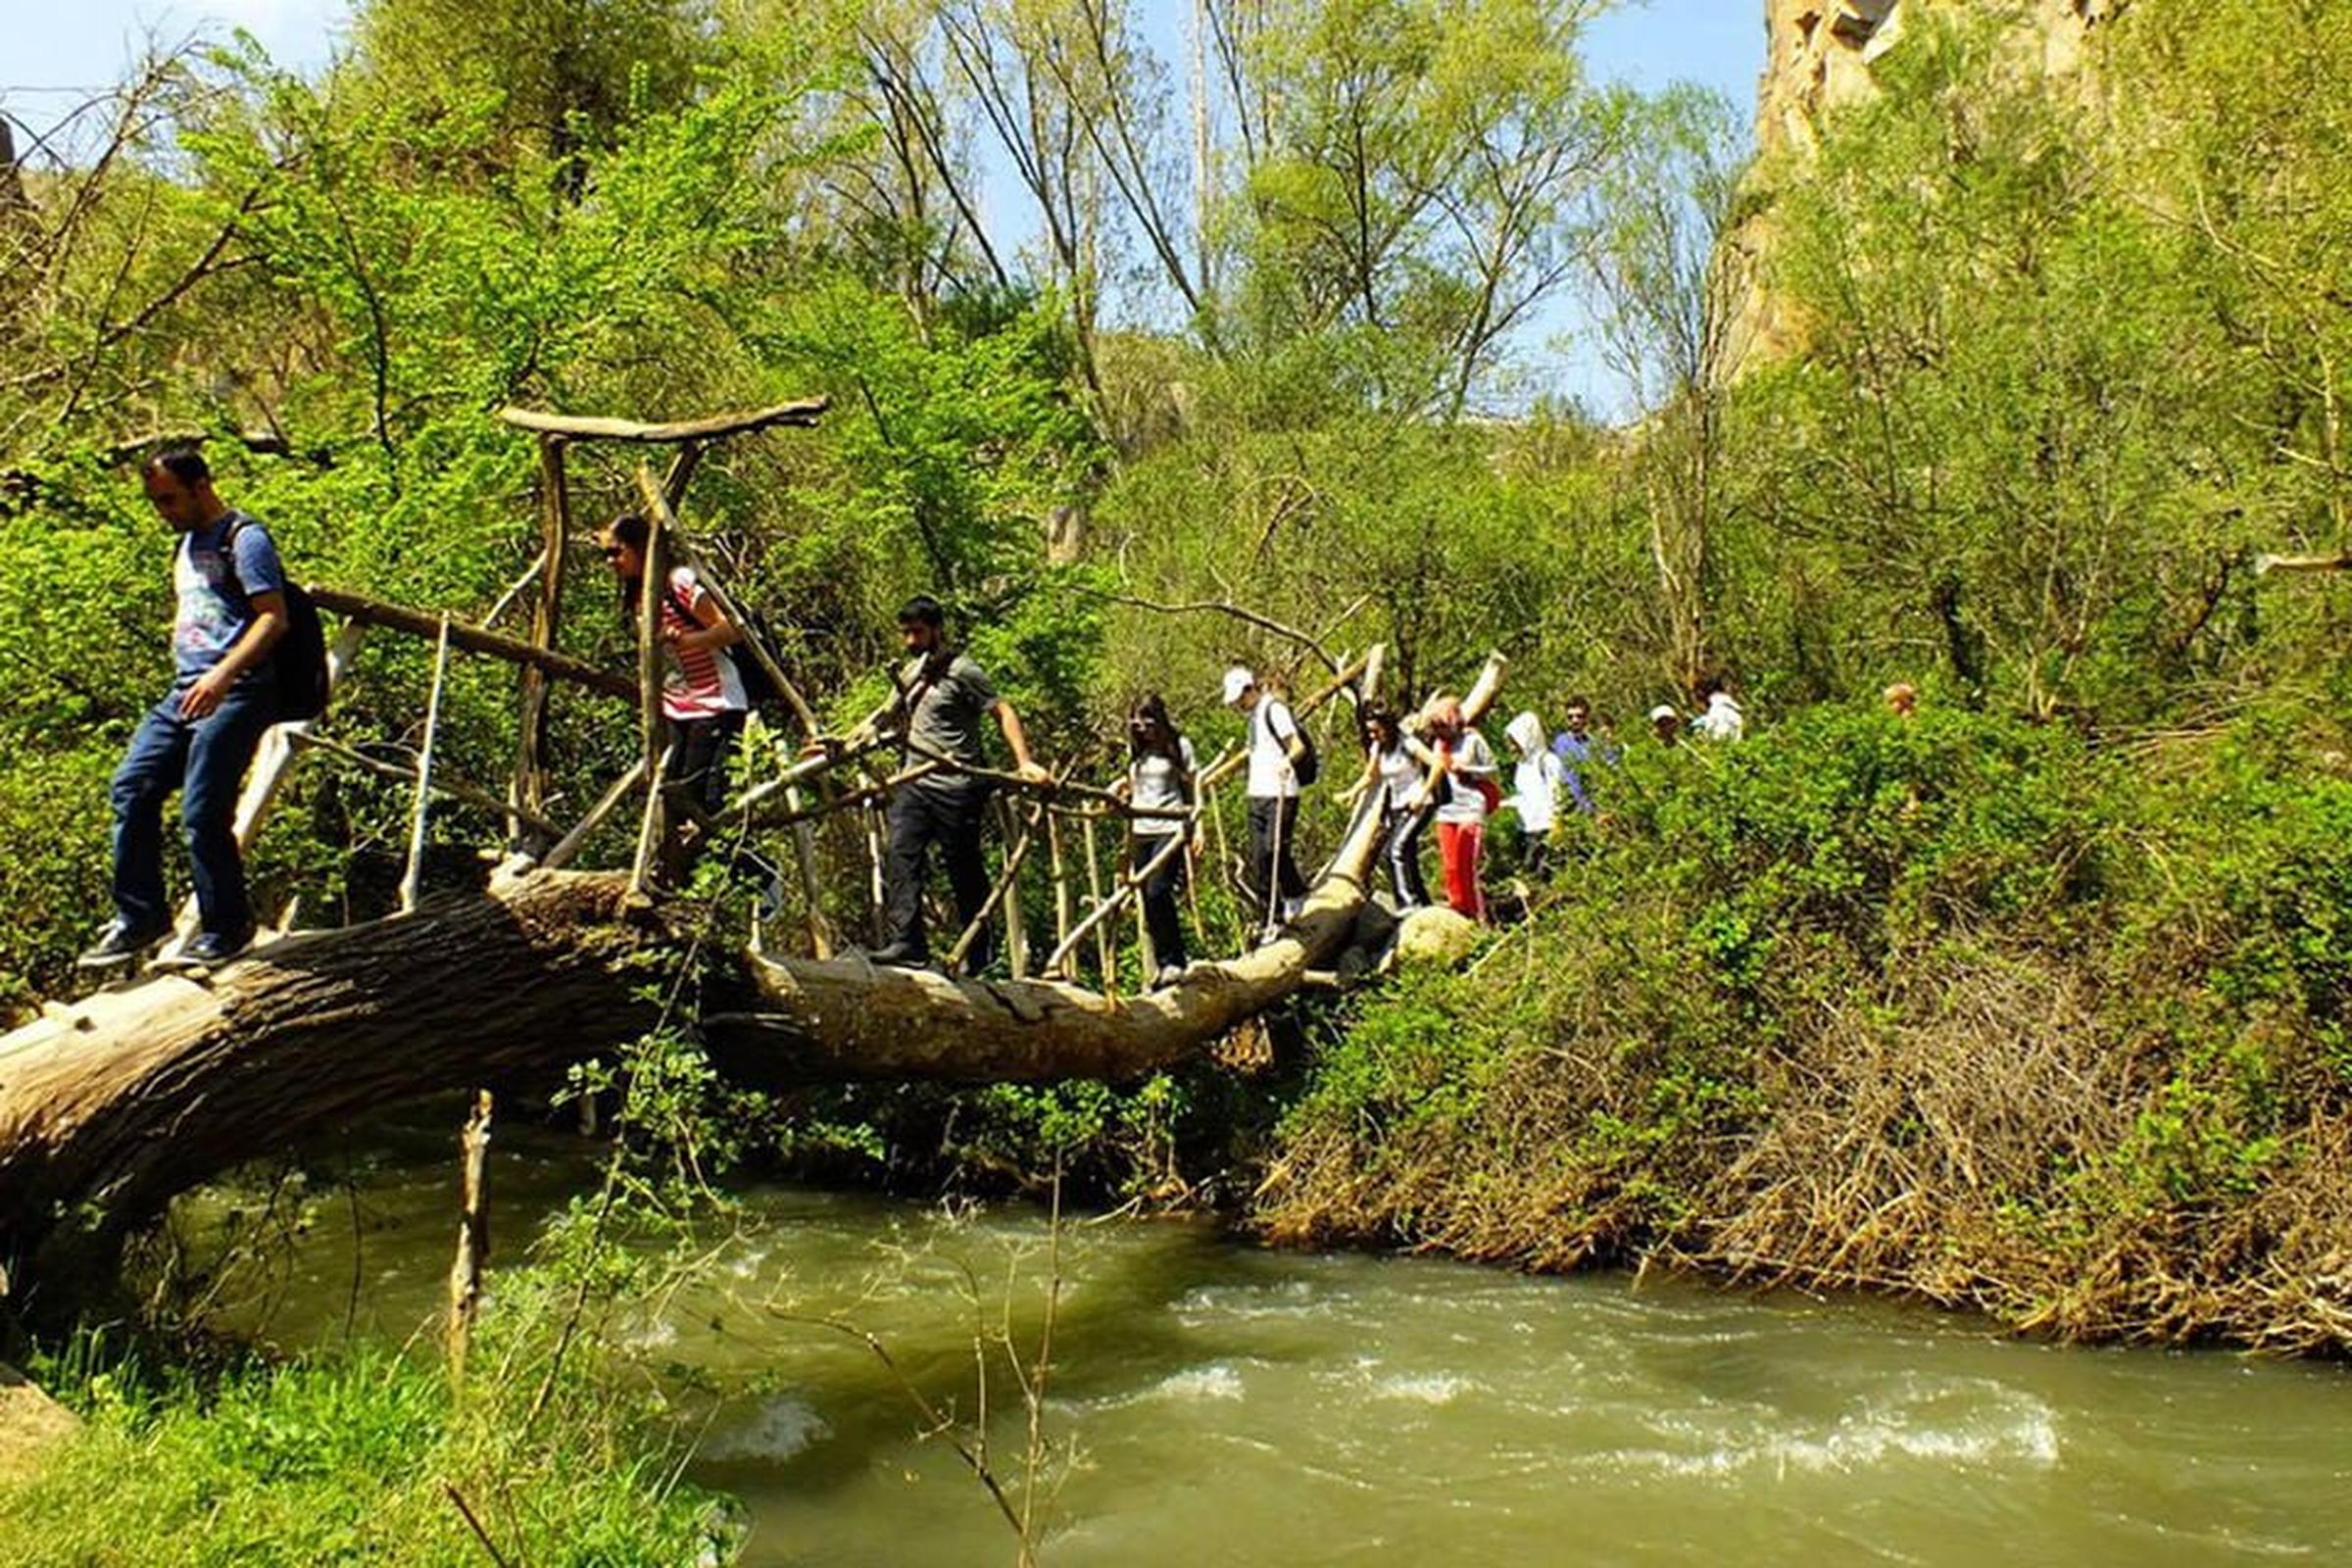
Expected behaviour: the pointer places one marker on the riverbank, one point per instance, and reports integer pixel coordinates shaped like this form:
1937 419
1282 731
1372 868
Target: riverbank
1964 1009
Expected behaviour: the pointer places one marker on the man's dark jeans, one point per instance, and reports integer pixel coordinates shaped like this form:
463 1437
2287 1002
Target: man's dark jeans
946 813
205 759
1274 849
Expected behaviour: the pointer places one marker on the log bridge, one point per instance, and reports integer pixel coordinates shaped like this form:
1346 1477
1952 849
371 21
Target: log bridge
110 1105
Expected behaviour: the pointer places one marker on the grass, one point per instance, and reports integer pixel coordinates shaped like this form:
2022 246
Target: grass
355 1458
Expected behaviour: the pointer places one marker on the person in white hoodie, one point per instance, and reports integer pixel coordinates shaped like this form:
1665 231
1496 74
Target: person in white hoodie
1536 783
1721 720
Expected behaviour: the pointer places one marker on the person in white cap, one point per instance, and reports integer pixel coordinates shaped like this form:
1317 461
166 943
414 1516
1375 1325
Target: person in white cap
1665 723
1277 748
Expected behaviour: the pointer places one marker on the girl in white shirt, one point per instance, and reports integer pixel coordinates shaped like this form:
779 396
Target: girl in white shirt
1159 778
1391 767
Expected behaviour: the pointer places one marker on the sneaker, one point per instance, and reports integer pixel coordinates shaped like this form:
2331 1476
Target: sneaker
1291 908
207 949
898 956
1169 974
118 943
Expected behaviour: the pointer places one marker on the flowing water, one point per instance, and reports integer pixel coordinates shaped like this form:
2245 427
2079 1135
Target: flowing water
1232 1405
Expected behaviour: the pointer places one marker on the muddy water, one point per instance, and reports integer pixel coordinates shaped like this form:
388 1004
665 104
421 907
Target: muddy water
1216 1404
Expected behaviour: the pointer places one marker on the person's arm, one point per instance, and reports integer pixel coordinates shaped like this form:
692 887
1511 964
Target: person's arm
1294 748
714 629
269 622
1018 743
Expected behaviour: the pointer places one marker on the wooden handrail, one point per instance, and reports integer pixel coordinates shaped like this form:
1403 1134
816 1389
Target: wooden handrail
596 427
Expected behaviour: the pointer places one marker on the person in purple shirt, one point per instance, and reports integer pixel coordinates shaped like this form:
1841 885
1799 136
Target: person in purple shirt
1578 749
199 739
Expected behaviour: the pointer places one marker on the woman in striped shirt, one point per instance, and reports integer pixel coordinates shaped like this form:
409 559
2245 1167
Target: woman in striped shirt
702 693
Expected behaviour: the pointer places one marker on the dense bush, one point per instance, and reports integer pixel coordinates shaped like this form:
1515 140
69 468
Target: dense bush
1964 1006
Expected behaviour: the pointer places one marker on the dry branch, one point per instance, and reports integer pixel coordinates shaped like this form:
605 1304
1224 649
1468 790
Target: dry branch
593 428
475 640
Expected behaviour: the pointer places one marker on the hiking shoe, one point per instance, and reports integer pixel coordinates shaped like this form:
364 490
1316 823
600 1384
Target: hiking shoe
1169 974
118 943
207 949
898 956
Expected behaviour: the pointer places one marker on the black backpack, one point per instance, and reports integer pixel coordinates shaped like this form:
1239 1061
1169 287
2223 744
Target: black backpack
1307 765
297 660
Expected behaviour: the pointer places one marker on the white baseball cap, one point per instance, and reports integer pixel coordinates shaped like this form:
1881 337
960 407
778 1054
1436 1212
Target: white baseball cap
1663 710
1237 680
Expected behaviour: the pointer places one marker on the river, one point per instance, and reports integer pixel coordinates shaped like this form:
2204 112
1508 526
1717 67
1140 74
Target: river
1221 1404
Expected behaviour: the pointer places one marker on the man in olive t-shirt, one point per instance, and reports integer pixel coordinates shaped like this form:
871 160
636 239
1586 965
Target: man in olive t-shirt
943 696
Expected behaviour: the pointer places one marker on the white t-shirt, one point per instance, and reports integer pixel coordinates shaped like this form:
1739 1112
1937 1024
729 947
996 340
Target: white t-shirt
1271 728
1471 756
1158 783
1399 777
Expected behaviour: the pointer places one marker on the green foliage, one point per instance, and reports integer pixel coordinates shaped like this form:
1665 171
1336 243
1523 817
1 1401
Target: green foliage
2083 1003
346 1460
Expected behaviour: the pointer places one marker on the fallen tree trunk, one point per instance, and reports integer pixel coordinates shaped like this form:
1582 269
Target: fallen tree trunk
109 1107
112 1106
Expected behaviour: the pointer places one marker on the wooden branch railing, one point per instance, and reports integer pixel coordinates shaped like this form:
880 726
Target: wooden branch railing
596 427
1120 896
457 789
474 640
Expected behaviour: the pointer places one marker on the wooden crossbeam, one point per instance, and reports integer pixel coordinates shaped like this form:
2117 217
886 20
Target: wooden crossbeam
474 640
595 428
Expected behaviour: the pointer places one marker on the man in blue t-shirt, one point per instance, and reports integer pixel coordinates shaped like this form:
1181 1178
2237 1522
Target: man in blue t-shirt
1579 752
199 739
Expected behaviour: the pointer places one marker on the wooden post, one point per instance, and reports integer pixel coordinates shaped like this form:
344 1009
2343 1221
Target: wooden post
1061 897
1216 824
1105 949
1016 927
871 816
529 789
473 1237
812 886
653 587
411 880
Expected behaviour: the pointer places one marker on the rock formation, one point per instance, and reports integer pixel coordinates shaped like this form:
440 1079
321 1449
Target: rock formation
1819 57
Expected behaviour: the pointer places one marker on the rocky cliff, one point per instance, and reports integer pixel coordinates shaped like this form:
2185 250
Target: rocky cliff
1819 57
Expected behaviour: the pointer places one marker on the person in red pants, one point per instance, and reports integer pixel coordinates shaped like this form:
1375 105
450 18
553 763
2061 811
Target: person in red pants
1468 763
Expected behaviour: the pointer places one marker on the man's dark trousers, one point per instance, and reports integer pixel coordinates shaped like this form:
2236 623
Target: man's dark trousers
946 813
205 759
1273 847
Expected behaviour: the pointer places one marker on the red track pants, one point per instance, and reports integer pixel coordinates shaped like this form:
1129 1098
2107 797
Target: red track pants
1459 846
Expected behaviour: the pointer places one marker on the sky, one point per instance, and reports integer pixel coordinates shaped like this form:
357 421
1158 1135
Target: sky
83 45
